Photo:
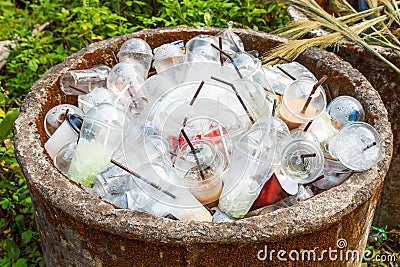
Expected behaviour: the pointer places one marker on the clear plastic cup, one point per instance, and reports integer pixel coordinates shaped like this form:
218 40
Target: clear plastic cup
231 43
358 146
302 161
278 80
294 99
56 116
166 56
78 82
252 164
213 131
137 50
249 66
205 182
344 110
199 49
125 79
161 195
63 159
146 149
65 134
100 137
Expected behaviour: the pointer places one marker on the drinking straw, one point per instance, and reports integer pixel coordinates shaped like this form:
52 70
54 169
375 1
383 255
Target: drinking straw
369 146
312 155
287 73
221 58
191 104
307 126
197 93
142 178
237 95
230 58
321 81
78 89
303 156
194 153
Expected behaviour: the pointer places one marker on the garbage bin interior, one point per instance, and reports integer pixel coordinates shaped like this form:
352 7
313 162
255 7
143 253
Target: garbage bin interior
318 212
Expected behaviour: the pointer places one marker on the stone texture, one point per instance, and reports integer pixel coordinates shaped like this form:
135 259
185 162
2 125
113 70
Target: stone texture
78 229
387 82
4 51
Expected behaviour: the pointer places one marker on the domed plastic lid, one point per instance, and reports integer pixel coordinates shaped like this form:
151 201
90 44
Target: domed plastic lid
167 51
296 94
358 146
210 161
133 46
344 110
302 161
56 116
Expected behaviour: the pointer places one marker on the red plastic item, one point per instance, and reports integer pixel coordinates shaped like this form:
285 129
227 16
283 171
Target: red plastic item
271 193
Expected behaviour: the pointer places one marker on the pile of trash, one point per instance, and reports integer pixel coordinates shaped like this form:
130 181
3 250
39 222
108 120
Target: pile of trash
204 131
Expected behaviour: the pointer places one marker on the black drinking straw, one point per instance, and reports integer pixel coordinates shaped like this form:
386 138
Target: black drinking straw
237 95
78 89
194 153
115 57
197 93
307 126
230 58
303 156
221 58
273 108
321 81
287 73
191 104
142 178
312 155
369 146
278 57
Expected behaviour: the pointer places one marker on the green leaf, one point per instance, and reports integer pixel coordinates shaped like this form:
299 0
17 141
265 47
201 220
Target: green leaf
2 97
12 249
259 11
7 124
33 64
26 236
20 263
19 221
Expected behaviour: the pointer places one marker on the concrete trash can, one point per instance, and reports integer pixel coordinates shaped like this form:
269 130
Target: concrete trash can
79 229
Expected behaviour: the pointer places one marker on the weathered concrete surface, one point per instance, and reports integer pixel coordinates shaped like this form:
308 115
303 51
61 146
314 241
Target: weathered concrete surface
387 82
78 229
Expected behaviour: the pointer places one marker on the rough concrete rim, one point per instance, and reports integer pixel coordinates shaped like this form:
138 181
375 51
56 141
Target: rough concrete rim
314 214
